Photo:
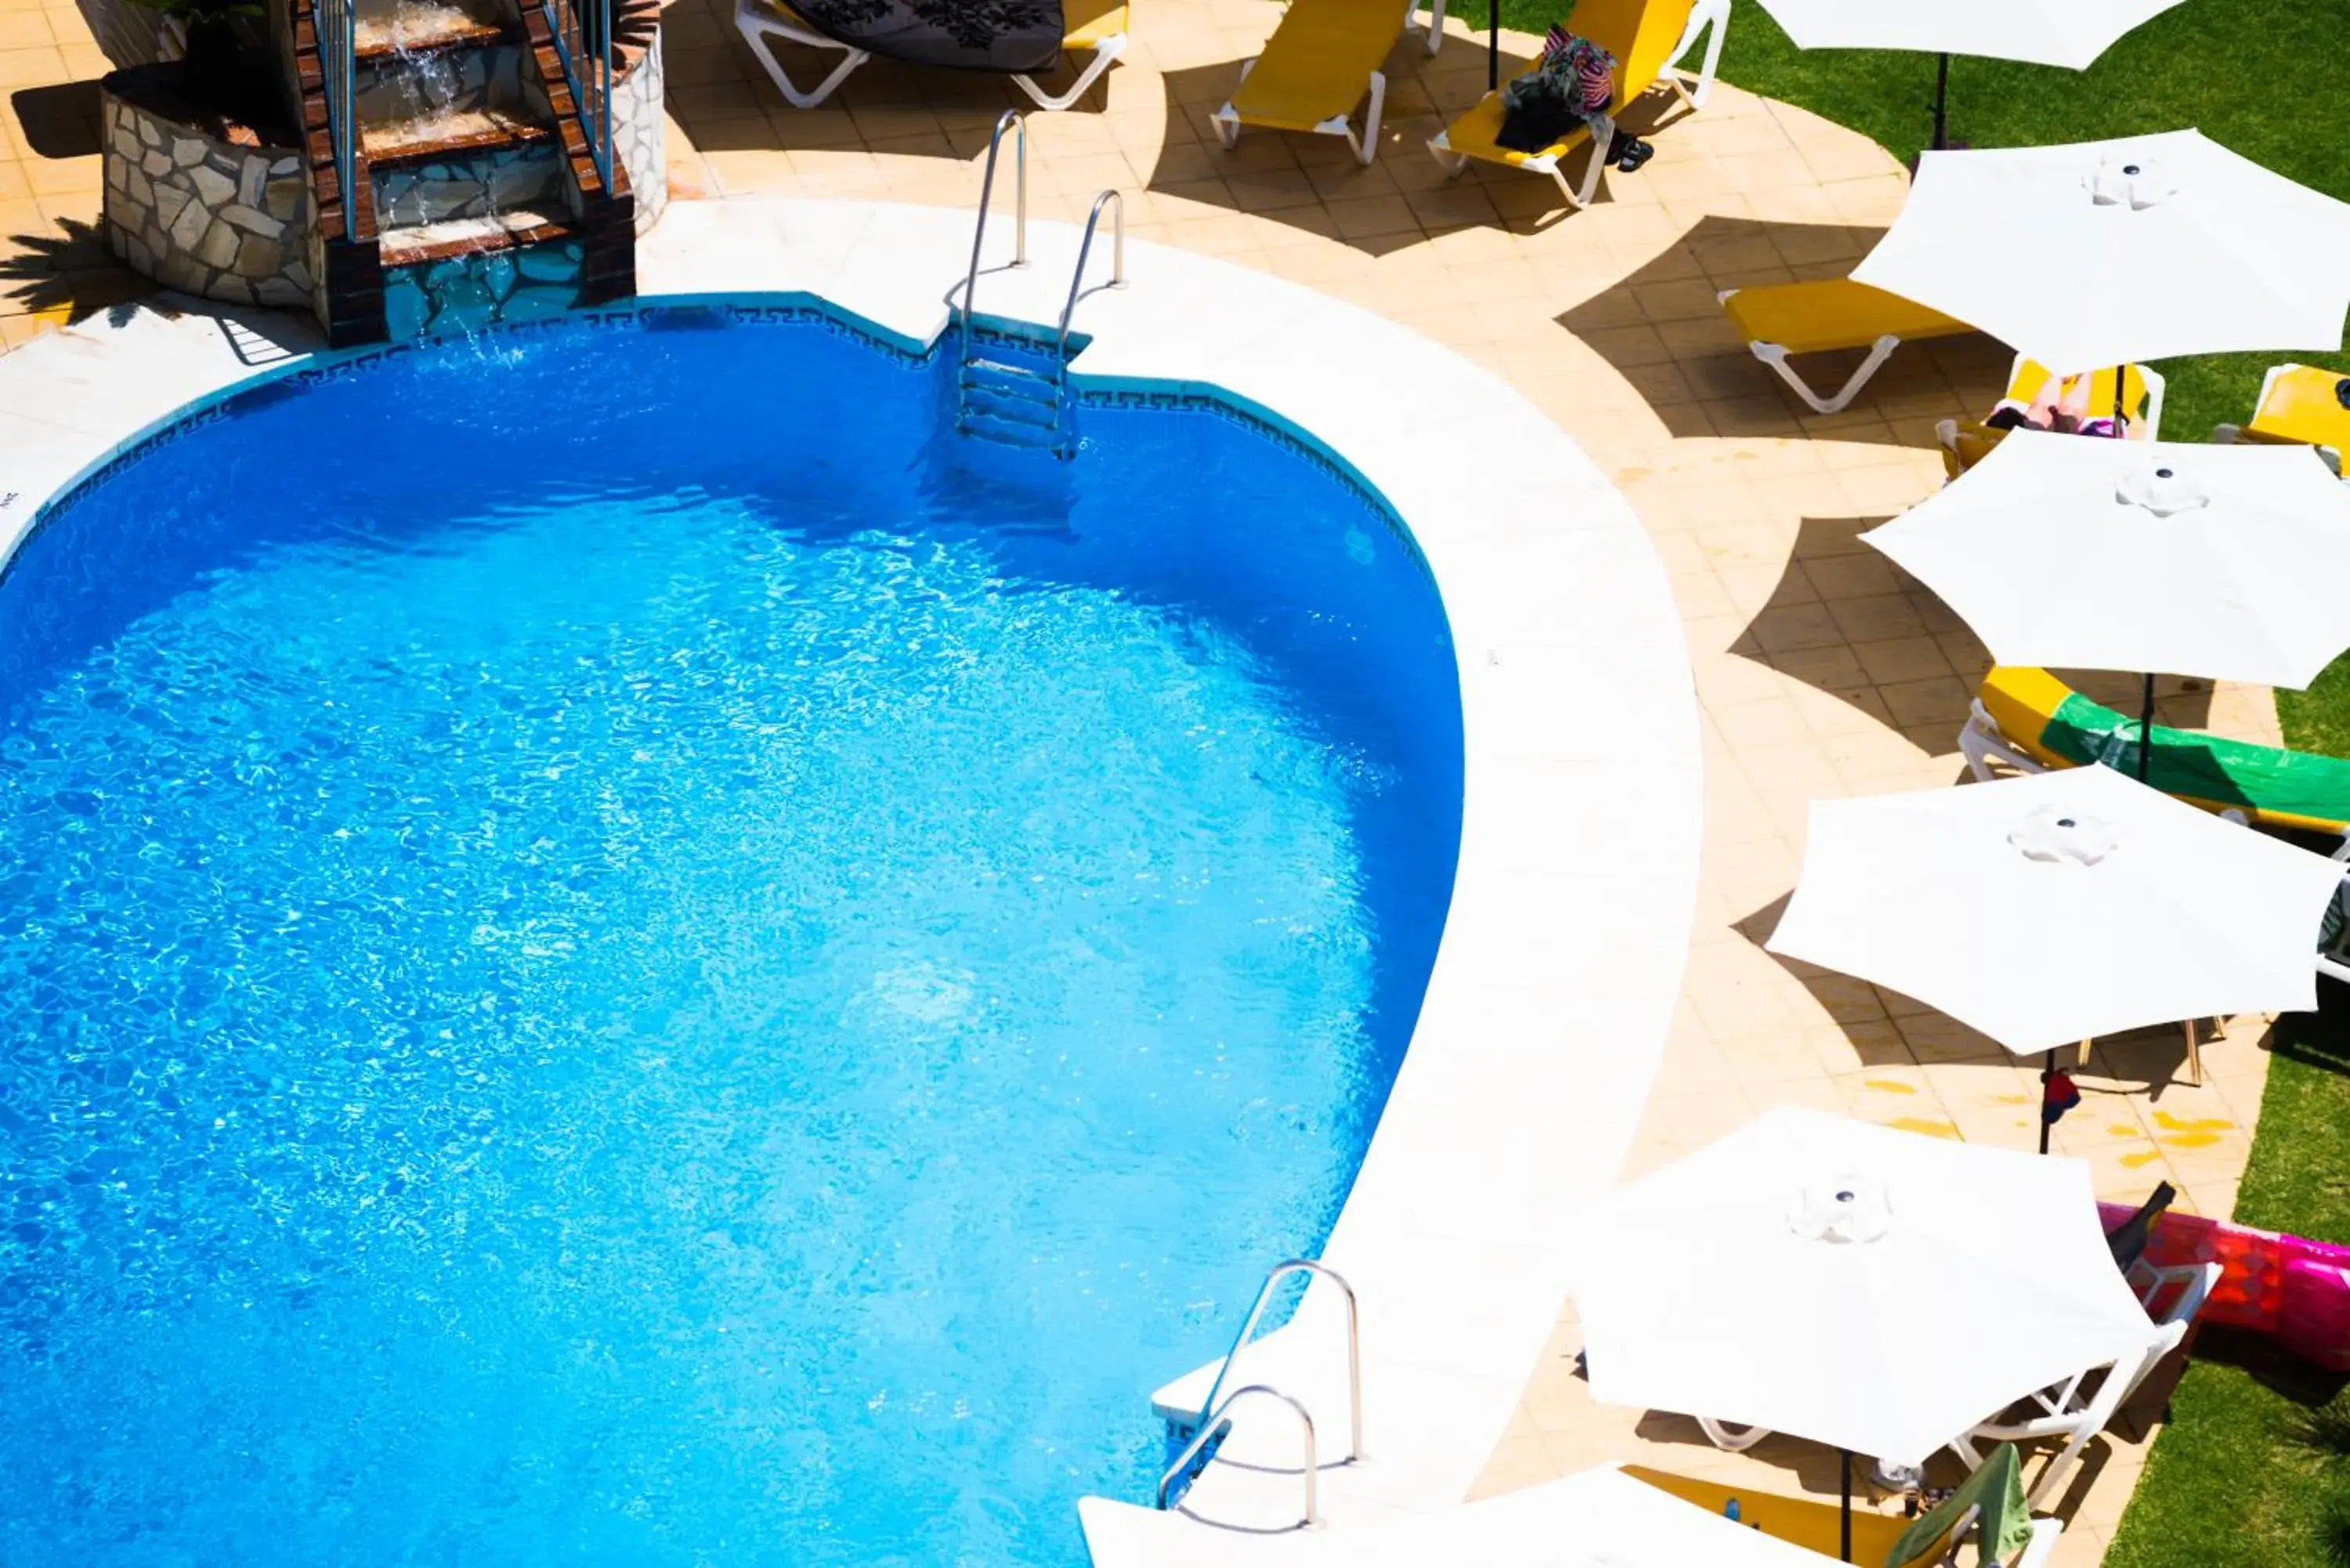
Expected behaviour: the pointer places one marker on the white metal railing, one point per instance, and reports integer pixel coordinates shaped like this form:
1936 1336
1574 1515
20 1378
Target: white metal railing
1215 1422
1280 1271
1009 119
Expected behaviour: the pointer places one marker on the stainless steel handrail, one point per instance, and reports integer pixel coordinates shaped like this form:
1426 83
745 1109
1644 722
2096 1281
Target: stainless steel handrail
1207 1428
1280 1271
1078 278
1009 117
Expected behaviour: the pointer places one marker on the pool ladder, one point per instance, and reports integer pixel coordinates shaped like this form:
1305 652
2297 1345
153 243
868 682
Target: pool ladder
997 399
1214 1418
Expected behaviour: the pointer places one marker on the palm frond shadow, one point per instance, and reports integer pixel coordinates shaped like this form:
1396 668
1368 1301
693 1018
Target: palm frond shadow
68 268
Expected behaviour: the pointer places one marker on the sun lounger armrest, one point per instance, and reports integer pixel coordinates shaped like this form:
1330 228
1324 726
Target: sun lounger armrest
2041 1550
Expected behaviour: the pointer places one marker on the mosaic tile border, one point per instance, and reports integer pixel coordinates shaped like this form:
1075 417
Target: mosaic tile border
675 314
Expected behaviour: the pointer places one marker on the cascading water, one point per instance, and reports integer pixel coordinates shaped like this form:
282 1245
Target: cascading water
474 196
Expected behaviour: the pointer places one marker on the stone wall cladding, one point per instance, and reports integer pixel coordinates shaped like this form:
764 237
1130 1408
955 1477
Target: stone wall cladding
202 215
640 133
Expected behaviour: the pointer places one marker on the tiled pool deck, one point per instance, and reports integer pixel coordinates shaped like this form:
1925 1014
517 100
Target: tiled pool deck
1819 669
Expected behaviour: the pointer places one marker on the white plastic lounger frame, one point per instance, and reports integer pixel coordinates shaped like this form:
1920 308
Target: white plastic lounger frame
1981 740
2038 1547
1775 356
1365 146
2196 1283
2233 435
2334 962
1704 15
755 18
1728 1440
1104 52
1709 17
2062 1411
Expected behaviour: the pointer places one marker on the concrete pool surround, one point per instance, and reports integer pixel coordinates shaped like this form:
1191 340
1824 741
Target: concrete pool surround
1552 995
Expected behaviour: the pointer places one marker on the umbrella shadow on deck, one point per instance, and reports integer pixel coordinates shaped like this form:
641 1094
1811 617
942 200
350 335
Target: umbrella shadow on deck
1664 330
1888 1030
885 106
1307 181
1848 621
1845 619
1403 196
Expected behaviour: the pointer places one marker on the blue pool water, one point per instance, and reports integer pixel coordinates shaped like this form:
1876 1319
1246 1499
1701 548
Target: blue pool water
616 949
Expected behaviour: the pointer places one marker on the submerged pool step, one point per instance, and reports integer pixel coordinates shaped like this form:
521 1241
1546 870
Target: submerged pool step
1012 404
1008 433
1006 369
1011 408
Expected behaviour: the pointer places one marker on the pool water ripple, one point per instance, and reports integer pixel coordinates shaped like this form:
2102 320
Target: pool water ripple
740 1010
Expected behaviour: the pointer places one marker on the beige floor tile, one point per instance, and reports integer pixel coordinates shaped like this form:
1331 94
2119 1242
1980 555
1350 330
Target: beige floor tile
1821 670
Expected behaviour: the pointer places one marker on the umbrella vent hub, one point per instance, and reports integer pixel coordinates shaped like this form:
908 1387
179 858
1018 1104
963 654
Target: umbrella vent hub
2161 490
2054 833
2126 182
1843 1210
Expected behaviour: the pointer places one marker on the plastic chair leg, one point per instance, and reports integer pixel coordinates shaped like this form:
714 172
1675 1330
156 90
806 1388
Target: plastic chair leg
1110 50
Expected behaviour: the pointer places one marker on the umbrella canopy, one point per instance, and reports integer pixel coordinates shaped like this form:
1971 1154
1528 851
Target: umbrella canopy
2054 908
2069 33
2105 253
2109 554
1877 1290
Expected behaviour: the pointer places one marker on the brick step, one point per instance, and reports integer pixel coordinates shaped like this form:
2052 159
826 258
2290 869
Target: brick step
449 135
414 27
467 236
442 37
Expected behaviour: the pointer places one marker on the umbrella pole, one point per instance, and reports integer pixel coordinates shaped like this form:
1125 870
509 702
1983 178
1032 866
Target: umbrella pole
1492 46
1844 1486
2146 730
2047 1071
1942 104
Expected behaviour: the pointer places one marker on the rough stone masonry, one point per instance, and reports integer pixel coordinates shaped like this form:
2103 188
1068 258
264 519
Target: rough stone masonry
201 214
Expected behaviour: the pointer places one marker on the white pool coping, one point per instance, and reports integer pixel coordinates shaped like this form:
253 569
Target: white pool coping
1554 985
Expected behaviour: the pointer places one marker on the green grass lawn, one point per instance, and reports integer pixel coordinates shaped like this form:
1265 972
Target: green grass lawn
2262 76
2254 1469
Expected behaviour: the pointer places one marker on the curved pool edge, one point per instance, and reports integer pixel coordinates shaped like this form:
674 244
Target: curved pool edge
1553 987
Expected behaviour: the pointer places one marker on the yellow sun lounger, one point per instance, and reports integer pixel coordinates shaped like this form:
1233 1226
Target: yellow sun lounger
1818 1526
2300 405
2142 393
1322 61
1966 442
2030 719
1822 316
1647 37
1094 27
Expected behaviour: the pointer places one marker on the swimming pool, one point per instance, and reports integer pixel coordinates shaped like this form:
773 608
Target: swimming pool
616 948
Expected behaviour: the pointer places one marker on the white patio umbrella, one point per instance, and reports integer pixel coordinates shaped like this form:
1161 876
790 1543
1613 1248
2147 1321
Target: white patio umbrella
2099 254
2067 32
2137 556
1877 1290
2058 906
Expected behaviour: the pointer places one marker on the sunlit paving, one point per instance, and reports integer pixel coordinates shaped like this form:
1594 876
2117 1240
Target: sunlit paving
1164 782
